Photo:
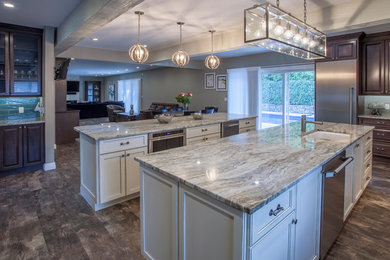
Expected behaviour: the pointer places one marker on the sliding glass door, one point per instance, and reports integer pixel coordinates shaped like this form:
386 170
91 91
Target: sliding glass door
129 91
286 95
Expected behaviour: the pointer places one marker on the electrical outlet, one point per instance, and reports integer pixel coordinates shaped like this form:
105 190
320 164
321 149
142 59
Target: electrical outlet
21 110
387 106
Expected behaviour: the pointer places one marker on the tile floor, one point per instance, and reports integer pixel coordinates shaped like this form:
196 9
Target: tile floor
42 216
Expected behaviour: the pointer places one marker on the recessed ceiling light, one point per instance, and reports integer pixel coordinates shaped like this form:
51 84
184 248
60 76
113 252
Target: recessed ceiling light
9 5
117 71
126 69
137 67
95 39
72 58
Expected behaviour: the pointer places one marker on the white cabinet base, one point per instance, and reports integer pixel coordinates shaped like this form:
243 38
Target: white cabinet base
98 206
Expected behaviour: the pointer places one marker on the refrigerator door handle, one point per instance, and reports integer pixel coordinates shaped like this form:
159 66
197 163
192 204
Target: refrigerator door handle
350 105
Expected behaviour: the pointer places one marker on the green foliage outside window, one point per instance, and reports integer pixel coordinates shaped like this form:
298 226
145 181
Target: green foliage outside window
301 88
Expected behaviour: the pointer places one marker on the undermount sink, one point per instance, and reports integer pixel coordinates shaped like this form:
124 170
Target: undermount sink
331 136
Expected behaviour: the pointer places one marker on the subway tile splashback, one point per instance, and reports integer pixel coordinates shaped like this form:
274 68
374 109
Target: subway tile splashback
9 107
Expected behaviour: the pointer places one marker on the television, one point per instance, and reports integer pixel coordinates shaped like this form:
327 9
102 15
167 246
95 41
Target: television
72 86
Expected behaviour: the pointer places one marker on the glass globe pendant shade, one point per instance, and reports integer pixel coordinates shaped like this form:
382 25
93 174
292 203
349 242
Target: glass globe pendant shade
138 53
180 58
212 62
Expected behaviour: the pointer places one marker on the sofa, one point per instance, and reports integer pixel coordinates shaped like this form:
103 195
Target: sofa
93 109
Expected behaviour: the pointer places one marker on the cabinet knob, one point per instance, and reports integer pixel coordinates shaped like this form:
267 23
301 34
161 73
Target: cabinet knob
128 155
123 155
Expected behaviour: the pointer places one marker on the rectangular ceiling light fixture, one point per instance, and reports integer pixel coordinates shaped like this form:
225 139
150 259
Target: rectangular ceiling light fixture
270 27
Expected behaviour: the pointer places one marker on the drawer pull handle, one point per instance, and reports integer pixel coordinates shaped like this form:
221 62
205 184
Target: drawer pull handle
369 138
368 165
369 151
276 211
128 155
123 155
368 178
294 221
356 146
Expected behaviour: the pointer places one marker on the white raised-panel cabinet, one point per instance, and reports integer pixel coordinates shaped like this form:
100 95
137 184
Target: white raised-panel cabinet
159 216
208 229
132 169
308 216
278 244
349 199
112 176
358 170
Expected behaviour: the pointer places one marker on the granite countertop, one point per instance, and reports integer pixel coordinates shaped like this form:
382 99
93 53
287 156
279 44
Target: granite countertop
22 121
375 117
246 171
123 129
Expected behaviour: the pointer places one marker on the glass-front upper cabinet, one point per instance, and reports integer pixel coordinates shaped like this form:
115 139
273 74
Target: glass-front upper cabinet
4 57
25 65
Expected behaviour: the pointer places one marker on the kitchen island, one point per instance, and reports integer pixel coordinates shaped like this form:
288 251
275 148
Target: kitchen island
256 195
109 175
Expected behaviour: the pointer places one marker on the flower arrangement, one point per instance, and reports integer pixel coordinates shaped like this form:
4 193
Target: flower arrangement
184 98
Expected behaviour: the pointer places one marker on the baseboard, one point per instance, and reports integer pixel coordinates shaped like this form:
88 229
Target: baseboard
49 166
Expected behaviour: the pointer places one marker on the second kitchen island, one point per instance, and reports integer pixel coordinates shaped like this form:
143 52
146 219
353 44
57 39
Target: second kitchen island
257 195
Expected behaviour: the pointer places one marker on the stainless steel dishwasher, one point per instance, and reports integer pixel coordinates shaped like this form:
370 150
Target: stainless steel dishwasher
333 181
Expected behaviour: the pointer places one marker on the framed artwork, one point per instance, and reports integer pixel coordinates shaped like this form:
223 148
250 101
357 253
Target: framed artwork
221 83
111 92
209 80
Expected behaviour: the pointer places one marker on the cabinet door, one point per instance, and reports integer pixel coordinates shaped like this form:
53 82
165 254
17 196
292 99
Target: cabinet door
346 50
25 64
4 61
278 244
132 169
373 68
359 170
33 144
11 147
159 216
387 70
112 176
308 216
349 181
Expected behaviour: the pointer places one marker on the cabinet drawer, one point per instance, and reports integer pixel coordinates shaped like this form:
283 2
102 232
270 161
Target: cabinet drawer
203 138
367 150
382 135
247 129
381 149
378 123
203 130
368 138
120 144
271 214
367 164
367 177
250 122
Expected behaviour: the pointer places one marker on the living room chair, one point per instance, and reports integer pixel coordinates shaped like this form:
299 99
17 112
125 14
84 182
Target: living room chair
113 110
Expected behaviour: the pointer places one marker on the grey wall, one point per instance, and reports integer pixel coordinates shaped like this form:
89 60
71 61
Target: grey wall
82 80
162 85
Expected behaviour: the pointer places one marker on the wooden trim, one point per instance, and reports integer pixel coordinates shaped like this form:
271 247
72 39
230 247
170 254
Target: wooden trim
19 28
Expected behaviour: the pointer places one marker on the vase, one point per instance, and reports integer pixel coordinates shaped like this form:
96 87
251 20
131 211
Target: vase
185 106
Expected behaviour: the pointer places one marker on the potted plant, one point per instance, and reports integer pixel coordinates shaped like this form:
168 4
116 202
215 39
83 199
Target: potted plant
185 99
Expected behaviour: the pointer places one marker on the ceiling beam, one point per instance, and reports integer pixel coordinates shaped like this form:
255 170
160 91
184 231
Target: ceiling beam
88 17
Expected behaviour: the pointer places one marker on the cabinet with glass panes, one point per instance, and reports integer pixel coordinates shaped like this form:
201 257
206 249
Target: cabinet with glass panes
20 62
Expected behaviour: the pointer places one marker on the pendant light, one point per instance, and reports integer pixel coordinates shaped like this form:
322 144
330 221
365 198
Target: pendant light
138 52
180 58
212 62
270 27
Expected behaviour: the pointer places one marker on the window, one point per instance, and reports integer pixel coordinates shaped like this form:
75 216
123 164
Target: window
129 91
277 95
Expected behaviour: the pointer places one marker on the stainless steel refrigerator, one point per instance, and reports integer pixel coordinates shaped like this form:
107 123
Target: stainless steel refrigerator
336 91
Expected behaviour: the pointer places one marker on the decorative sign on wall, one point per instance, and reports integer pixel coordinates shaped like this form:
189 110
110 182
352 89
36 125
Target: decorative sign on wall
209 80
111 92
221 83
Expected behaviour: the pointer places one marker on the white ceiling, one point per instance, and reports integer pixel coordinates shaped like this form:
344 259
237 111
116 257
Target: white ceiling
159 29
37 13
79 67
250 50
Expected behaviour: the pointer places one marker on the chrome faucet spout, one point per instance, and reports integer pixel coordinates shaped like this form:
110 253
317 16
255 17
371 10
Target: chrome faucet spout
304 122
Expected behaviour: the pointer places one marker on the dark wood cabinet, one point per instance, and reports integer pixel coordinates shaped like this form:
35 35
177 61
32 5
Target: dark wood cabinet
381 136
11 147
22 146
346 50
33 144
373 68
343 47
20 61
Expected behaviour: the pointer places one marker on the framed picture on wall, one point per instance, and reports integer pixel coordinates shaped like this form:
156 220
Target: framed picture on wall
221 83
111 92
209 80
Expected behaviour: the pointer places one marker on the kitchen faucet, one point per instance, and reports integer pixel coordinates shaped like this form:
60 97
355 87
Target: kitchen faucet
304 122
